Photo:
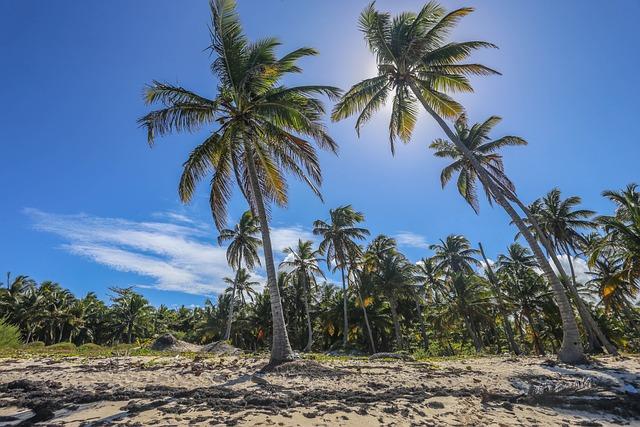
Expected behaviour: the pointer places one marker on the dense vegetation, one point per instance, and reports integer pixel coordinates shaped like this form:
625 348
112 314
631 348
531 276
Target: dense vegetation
450 302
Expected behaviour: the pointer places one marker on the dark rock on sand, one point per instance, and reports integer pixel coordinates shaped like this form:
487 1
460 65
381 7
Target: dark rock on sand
222 348
168 342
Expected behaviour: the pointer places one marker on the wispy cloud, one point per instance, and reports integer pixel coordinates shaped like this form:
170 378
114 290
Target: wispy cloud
407 238
176 253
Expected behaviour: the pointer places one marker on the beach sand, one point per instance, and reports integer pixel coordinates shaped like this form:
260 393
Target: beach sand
176 390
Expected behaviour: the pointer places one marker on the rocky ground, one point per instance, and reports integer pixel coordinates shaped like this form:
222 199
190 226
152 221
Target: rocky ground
232 390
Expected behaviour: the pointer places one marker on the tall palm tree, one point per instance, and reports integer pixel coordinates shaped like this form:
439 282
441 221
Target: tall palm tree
243 246
260 136
301 266
339 237
417 63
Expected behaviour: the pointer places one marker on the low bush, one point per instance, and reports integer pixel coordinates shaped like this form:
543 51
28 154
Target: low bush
63 347
9 335
90 347
34 344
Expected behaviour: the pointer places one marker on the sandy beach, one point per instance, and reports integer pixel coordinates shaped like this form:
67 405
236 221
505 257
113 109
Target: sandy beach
177 390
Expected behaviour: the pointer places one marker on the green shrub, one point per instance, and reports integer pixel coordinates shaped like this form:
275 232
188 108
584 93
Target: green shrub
9 335
65 347
34 344
90 347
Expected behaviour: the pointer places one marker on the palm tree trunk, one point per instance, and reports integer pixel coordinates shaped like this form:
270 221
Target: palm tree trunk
503 311
364 311
589 324
597 338
471 328
307 313
345 334
227 332
571 350
393 305
423 326
281 349
534 331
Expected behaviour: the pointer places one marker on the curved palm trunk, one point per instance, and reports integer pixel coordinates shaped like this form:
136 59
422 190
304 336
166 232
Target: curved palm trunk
393 305
571 350
503 311
281 349
593 331
345 313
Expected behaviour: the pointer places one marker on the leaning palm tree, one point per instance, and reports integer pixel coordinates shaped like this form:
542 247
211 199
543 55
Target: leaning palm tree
416 63
561 222
339 245
476 139
243 246
261 133
301 265
497 185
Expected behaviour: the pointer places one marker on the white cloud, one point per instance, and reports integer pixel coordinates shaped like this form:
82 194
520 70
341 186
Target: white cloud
580 266
178 254
407 238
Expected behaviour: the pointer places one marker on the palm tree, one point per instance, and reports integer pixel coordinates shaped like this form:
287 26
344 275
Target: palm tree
616 293
393 276
623 230
241 288
130 313
455 255
561 222
417 63
301 266
456 258
260 134
339 245
517 252
243 247
476 140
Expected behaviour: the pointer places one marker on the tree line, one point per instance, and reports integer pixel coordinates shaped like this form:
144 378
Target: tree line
454 301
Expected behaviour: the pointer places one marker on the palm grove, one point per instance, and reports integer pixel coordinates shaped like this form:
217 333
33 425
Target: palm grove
454 300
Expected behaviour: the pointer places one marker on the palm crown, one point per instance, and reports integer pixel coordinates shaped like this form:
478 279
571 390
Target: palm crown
476 139
244 243
413 55
261 123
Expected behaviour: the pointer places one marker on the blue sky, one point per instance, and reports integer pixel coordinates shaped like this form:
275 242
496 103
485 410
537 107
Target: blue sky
88 204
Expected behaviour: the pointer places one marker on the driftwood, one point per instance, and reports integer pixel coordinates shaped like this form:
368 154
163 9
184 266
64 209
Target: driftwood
399 356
